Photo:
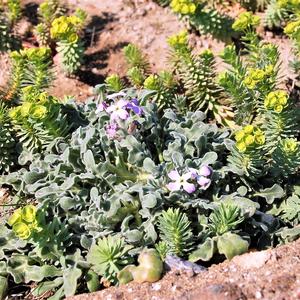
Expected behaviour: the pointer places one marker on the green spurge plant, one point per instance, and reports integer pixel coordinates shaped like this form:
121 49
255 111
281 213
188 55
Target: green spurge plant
31 68
175 231
39 120
10 13
197 73
165 87
278 12
7 142
204 16
66 32
48 11
109 256
138 65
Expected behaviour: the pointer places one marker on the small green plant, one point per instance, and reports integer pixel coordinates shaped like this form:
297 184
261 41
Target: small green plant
224 219
198 76
31 67
279 12
114 83
48 11
7 142
204 16
38 121
138 65
175 231
66 32
23 221
108 257
10 13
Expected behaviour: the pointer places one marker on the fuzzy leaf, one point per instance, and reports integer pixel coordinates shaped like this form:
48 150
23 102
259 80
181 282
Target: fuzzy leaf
71 277
231 244
272 193
3 287
204 251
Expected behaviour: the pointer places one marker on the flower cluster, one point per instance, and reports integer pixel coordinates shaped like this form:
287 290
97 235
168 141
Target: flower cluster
66 28
293 4
178 40
152 82
292 29
276 101
249 138
290 146
119 111
245 21
31 54
34 106
254 76
179 182
184 7
23 221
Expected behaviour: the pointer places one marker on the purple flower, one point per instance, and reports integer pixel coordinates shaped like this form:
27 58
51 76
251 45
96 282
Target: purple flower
180 181
134 106
204 182
205 171
111 130
194 173
101 107
118 110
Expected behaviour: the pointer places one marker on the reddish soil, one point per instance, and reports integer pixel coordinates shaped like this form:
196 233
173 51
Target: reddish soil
114 24
269 275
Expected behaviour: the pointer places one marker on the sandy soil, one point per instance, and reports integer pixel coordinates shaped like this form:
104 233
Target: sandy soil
269 275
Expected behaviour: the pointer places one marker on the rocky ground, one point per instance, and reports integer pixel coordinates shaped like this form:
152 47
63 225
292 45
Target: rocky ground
270 275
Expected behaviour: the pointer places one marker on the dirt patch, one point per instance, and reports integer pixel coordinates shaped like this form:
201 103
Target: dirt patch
114 24
270 275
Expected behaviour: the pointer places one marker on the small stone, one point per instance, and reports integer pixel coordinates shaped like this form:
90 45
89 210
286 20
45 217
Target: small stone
174 263
156 286
258 295
252 260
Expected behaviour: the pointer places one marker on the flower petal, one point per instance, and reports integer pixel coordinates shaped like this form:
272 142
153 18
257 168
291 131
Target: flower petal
194 173
122 103
189 187
205 171
123 114
204 182
187 176
111 108
174 175
174 186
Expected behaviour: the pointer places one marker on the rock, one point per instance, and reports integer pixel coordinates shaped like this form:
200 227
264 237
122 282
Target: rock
253 260
174 263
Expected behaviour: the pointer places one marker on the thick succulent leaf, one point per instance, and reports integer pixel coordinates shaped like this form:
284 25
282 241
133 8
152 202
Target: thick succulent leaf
231 244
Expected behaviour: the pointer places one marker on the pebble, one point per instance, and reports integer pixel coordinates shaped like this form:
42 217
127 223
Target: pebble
156 286
253 260
258 295
174 263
